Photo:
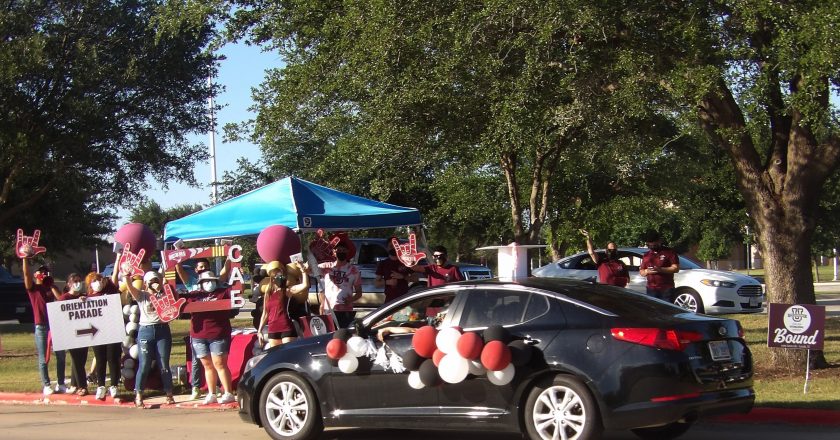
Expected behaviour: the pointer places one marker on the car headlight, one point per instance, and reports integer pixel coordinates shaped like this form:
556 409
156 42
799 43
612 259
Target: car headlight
718 283
253 362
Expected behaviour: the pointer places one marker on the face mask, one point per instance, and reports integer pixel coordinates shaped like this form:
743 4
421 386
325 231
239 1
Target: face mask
96 286
612 253
208 286
77 287
341 256
656 247
39 276
155 286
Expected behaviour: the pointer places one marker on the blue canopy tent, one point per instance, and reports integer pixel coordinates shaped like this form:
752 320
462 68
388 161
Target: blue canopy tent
296 203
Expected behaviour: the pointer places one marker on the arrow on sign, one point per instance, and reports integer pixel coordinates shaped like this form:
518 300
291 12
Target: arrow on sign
88 331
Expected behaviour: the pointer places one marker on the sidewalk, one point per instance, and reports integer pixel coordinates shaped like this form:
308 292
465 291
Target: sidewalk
788 416
181 401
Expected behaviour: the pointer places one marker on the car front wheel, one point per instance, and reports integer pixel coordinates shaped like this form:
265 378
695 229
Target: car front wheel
689 300
289 409
562 408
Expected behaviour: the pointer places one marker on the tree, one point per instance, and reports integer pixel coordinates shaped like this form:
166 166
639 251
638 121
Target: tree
757 74
152 215
95 98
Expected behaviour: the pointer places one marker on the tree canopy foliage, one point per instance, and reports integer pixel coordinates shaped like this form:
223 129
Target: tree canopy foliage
95 99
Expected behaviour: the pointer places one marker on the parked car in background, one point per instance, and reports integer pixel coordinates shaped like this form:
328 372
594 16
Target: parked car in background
602 358
14 302
698 289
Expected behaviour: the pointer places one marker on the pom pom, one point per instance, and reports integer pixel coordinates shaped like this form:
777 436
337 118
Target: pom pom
381 358
396 363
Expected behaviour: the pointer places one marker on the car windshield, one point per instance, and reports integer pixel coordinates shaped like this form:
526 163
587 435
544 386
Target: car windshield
686 263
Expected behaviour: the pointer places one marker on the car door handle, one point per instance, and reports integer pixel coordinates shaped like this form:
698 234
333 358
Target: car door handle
529 341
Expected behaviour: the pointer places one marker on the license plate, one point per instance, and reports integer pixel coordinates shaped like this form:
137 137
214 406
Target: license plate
720 351
754 302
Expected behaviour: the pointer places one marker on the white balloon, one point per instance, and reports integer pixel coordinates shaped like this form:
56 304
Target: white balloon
134 317
356 346
453 368
128 363
447 340
476 369
348 363
133 351
127 342
135 309
127 373
131 326
502 377
126 310
414 380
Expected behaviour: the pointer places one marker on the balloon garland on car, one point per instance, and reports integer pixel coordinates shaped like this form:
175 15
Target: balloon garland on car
448 355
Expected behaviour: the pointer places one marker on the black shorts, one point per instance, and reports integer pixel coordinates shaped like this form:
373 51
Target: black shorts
281 335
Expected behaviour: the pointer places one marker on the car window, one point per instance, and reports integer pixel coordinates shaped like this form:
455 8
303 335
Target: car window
5 276
586 263
632 261
421 311
371 253
490 307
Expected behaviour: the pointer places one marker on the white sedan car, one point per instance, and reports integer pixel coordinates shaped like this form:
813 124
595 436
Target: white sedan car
697 289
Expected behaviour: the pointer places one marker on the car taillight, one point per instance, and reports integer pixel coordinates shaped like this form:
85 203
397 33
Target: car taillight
740 330
657 337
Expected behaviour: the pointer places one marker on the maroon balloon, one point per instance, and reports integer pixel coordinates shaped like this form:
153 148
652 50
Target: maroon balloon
277 243
139 236
336 348
424 341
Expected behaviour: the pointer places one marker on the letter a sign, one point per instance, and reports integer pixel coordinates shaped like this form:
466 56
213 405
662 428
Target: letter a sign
796 326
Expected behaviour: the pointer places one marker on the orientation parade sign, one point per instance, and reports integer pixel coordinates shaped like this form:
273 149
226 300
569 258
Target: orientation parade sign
84 323
799 326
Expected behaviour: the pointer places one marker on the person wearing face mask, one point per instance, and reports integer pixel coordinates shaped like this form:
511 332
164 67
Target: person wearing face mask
277 302
210 337
342 286
154 339
41 290
659 264
75 289
441 272
107 355
611 270
393 276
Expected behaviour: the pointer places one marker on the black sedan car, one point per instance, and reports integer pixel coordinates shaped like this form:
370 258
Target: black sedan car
603 358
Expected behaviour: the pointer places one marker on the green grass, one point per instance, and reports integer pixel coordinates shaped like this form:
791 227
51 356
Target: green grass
19 361
18 364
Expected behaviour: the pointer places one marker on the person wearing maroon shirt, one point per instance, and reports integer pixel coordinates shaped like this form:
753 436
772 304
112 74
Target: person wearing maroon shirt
277 302
393 276
611 270
440 272
659 264
210 336
75 289
106 355
39 286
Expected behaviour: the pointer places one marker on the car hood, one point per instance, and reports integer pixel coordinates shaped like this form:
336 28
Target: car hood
719 275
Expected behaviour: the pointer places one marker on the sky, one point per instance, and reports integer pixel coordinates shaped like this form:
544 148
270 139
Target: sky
243 69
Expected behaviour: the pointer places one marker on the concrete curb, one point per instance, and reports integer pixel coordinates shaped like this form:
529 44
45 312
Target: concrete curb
181 402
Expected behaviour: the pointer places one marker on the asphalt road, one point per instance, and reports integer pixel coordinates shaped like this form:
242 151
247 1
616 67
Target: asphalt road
50 422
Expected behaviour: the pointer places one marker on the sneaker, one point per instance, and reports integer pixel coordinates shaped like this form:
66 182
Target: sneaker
100 393
196 393
227 398
112 391
48 390
211 398
72 390
60 389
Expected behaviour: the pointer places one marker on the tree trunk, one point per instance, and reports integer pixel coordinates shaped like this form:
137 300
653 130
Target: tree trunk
816 268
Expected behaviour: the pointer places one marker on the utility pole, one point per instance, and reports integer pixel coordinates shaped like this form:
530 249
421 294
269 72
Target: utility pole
213 183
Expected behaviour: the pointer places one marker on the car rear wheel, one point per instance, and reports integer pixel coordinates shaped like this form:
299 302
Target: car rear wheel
289 409
562 408
689 300
666 432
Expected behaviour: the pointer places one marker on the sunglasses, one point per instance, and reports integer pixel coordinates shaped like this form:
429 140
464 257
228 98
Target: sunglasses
439 255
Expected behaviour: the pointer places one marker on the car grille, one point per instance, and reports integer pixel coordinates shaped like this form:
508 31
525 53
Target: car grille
750 290
477 274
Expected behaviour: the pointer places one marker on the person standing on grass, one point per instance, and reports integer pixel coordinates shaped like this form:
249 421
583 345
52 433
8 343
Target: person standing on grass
154 338
210 336
342 286
659 264
440 272
107 355
611 270
277 301
75 289
41 290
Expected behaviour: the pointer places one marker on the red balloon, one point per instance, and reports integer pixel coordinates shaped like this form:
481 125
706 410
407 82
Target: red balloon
437 356
424 341
277 243
336 348
139 236
495 356
470 345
